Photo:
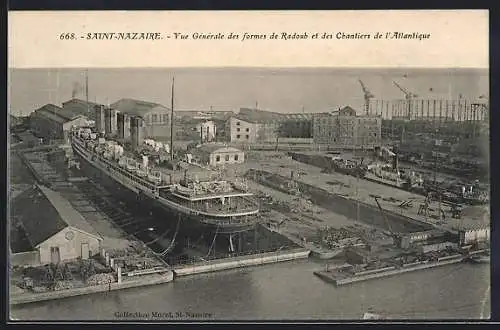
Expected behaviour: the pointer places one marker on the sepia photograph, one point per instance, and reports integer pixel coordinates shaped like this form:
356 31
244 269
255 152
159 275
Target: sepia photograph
248 193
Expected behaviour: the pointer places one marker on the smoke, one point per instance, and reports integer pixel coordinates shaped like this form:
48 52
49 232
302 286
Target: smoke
77 89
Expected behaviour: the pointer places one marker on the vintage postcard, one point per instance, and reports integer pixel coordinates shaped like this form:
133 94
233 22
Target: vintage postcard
261 165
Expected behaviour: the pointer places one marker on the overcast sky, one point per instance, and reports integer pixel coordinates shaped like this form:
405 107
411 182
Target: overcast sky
281 90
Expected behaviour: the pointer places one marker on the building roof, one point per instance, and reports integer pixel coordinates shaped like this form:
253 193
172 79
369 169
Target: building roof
135 107
347 110
58 114
81 107
82 102
475 217
262 116
211 148
42 213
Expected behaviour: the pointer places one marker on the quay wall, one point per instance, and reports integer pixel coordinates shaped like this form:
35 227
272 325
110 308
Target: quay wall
25 298
239 262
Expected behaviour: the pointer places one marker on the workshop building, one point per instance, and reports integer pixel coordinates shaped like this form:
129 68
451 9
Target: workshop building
254 125
45 228
155 118
344 129
81 107
53 123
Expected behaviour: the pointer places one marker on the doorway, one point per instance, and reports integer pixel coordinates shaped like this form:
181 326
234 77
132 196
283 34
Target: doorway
85 251
55 255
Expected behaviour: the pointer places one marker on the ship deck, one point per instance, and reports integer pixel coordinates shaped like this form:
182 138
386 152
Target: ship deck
210 206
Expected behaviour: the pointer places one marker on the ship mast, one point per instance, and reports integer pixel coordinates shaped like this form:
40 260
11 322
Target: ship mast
172 122
87 90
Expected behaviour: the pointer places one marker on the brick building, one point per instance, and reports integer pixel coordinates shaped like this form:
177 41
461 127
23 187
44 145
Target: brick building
344 129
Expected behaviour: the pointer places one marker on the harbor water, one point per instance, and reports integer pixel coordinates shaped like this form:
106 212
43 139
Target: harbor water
285 291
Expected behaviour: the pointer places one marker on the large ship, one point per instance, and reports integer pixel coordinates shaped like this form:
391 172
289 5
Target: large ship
214 206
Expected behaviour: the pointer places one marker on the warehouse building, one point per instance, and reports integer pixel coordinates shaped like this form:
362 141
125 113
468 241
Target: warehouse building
253 125
240 129
216 155
291 125
57 234
53 123
344 129
155 118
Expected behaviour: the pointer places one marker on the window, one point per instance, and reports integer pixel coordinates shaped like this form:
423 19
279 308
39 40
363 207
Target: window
248 129
217 158
237 123
248 137
238 129
238 136
235 157
154 117
227 158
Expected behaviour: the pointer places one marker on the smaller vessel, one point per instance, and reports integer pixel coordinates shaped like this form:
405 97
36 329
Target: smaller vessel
480 258
372 316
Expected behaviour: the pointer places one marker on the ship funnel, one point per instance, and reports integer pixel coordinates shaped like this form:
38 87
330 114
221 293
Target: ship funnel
99 118
110 121
136 131
120 122
395 159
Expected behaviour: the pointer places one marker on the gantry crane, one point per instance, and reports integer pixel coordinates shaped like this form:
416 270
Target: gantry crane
408 96
368 96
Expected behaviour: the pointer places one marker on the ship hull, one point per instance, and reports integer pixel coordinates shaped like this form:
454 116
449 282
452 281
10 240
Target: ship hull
168 216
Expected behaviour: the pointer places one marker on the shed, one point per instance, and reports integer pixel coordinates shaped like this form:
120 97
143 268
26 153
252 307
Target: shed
45 228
